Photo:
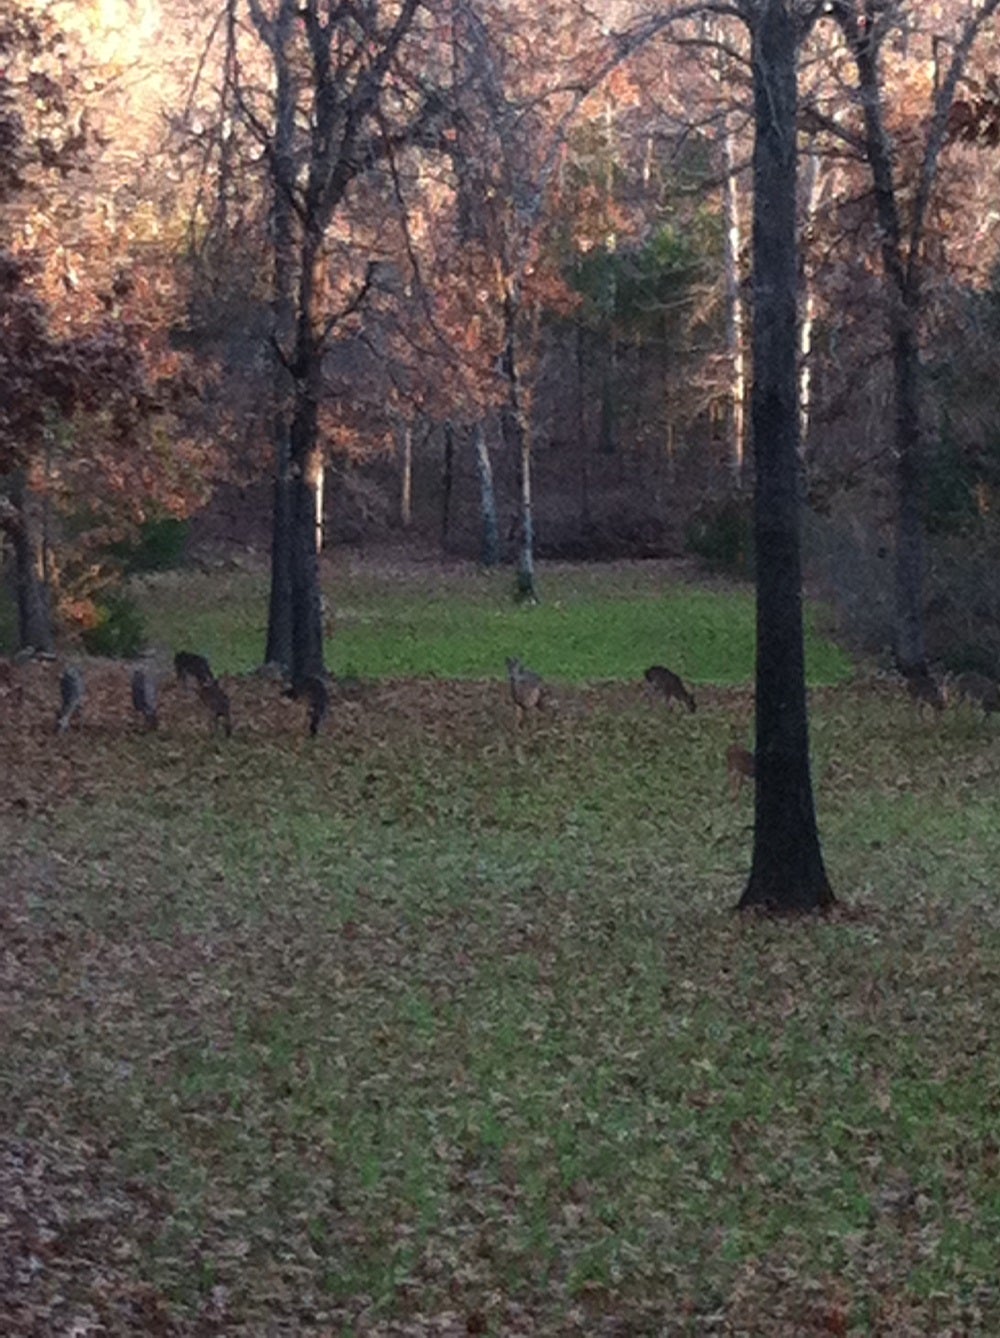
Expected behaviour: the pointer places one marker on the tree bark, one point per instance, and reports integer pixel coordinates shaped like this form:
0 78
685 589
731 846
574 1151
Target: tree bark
307 465
406 475
787 873
517 438
279 615
490 545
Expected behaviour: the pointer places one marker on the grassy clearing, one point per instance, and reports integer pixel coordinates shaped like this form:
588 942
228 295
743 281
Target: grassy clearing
598 623
432 1029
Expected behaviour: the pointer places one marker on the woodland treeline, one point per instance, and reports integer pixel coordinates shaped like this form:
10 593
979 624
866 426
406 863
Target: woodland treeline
484 271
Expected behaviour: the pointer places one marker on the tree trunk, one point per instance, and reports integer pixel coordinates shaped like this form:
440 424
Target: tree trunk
903 283
490 547
24 526
732 246
447 483
808 304
406 475
911 648
307 601
787 873
279 614
517 438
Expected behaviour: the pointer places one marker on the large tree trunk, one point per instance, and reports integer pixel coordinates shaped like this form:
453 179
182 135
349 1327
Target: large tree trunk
279 614
23 523
307 466
787 873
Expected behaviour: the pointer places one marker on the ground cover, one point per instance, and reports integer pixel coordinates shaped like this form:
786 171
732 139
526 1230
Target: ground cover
431 1026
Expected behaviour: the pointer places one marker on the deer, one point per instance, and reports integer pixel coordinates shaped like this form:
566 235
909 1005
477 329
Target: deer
659 679
977 690
144 696
216 702
525 688
313 690
741 766
188 665
71 695
924 690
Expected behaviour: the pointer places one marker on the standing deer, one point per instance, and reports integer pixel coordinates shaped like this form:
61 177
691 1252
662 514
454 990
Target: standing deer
144 696
925 690
71 694
188 665
525 688
977 690
741 766
662 680
216 702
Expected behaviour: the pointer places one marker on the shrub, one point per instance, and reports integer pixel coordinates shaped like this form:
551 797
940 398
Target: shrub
721 534
120 631
159 546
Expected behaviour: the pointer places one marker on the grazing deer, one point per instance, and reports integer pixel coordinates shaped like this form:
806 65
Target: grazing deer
741 766
924 691
663 680
10 682
977 690
144 696
71 694
313 690
217 704
188 665
525 688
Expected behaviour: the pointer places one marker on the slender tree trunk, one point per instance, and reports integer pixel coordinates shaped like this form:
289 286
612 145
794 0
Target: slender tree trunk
787 874
582 442
732 247
447 483
808 304
406 475
34 614
490 546
517 437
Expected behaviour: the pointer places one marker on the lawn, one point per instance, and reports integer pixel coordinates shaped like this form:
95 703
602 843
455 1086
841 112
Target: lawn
431 1026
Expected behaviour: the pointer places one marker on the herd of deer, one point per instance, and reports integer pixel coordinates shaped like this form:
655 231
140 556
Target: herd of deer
975 689
527 691
188 667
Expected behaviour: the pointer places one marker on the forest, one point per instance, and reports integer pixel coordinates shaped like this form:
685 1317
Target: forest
488 489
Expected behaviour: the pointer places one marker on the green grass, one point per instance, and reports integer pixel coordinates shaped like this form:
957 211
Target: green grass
602 623
430 1020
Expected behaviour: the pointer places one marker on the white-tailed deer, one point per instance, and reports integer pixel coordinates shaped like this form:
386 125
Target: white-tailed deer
144 696
525 688
188 665
741 765
71 694
977 690
924 690
659 679
216 703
